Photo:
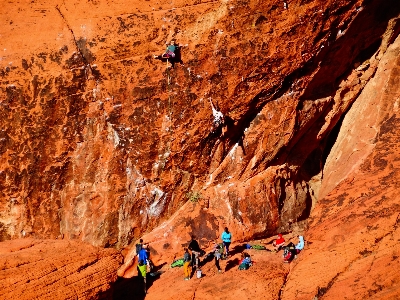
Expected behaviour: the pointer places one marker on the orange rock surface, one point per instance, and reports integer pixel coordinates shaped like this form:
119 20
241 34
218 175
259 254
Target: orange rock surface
263 280
355 228
55 269
101 143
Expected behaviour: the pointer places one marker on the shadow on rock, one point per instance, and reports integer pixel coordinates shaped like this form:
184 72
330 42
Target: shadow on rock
231 264
132 288
237 249
208 258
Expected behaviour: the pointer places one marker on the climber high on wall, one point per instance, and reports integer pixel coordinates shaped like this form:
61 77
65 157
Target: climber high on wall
172 54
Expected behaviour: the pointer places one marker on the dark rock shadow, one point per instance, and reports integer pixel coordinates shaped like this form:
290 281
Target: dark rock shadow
208 258
132 288
231 264
126 288
237 249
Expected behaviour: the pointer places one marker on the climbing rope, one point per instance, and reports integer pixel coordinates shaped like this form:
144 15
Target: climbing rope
169 91
169 116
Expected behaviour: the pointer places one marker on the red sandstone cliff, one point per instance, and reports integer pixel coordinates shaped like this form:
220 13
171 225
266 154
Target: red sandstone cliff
99 142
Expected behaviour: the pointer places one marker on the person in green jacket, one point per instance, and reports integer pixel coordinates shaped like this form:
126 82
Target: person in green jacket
142 272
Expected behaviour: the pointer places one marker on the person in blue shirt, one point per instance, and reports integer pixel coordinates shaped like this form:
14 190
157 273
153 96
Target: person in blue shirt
143 255
226 239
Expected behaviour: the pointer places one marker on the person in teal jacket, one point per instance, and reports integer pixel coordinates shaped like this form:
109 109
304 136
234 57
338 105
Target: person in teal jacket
169 51
226 239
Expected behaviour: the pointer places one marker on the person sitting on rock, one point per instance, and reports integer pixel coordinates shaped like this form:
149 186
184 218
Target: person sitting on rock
300 245
279 242
245 263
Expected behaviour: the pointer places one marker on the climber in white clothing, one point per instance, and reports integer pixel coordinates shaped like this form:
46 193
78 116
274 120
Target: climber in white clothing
218 116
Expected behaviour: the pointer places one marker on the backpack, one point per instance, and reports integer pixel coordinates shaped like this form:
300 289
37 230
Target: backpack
244 266
286 251
258 247
178 263
138 248
291 246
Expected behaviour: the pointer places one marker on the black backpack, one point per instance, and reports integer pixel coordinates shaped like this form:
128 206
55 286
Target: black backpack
291 246
138 248
286 251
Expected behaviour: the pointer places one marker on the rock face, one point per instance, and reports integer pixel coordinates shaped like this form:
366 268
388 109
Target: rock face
355 228
55 269
102 143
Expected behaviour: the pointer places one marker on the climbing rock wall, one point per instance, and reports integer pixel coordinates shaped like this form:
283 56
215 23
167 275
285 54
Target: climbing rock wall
55 269
355 228
101 142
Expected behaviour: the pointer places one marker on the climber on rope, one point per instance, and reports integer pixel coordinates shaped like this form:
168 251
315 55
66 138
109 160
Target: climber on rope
172 54
219 119
169 52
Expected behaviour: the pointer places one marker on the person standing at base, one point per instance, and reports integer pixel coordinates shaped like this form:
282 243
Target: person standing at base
226 239
217 255
143 255
142 272
195 248
186 264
